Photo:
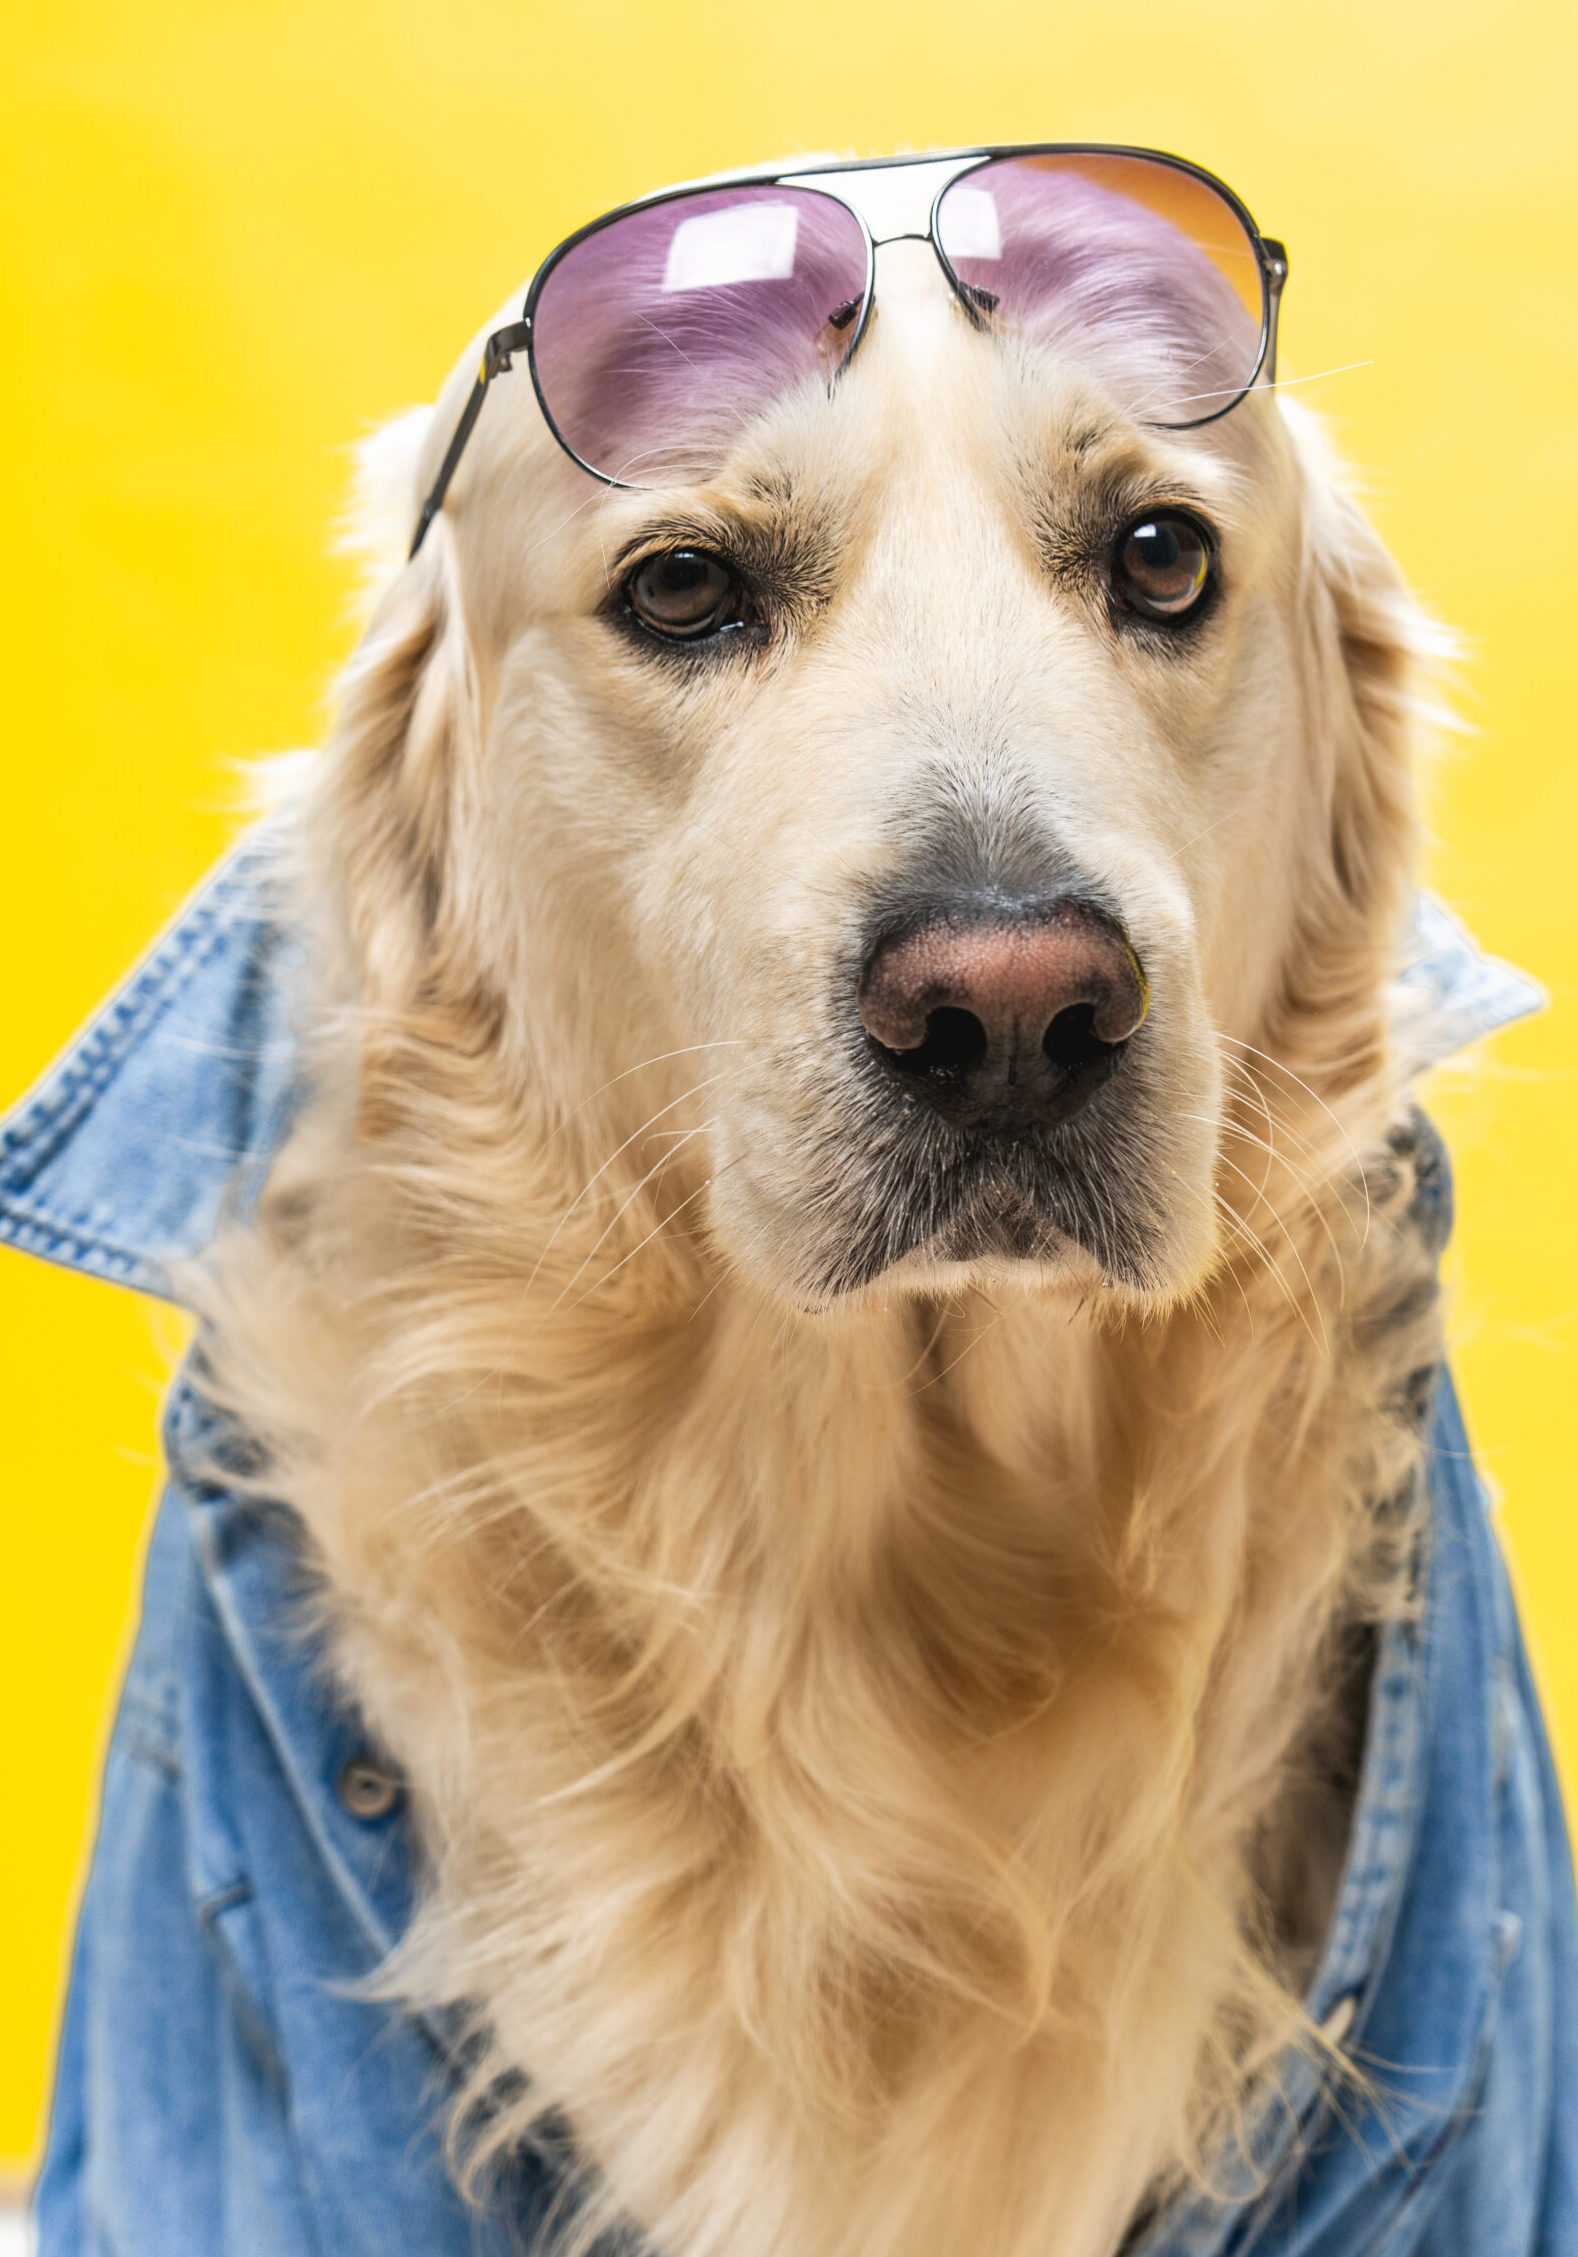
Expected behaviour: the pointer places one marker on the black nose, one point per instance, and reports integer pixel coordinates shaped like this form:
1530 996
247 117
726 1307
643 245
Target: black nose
1004 1019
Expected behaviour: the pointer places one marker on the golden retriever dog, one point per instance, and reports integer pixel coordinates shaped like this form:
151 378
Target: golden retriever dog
836 1322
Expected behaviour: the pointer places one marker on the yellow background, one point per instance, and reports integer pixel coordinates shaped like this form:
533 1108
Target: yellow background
236 235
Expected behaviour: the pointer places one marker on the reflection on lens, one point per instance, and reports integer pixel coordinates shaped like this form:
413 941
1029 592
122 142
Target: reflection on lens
1145 270
659 335
970 226
742 243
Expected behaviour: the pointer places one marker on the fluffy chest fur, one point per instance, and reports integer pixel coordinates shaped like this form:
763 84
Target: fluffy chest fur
853 1757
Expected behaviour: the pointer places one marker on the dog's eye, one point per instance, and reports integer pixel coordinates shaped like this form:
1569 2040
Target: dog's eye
684 593
1163 565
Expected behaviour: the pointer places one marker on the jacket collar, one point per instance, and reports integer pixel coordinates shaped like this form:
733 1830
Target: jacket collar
164 1111
162 1115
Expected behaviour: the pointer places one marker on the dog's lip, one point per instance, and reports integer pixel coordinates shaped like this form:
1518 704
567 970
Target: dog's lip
987 1220
952 1259
1012 1230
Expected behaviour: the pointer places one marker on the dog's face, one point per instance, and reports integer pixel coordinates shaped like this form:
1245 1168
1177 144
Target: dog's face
940 790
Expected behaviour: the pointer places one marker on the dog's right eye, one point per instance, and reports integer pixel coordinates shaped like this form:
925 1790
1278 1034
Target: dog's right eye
684 594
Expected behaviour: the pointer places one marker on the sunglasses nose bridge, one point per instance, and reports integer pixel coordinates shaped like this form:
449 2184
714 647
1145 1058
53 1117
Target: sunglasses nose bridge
928 238
890 200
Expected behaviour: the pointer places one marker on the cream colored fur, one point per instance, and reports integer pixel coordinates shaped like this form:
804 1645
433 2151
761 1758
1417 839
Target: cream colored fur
848 1735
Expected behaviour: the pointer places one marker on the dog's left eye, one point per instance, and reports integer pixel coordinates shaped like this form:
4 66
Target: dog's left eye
684 593
1162 565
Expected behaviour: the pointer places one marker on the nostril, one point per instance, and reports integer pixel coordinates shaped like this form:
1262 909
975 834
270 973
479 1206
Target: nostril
955 1041
1071 1041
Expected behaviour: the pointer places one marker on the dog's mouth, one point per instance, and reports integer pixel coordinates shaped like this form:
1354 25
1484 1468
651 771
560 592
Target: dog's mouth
1000 1225
942 1198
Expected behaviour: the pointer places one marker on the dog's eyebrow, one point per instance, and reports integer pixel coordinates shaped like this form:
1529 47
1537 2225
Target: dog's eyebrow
677 529
1086 439
1073 515
787 547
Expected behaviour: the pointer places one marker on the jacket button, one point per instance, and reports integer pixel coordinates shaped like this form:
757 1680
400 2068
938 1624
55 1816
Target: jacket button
366 1789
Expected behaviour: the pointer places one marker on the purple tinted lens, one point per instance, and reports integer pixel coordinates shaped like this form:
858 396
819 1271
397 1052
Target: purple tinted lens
656 337
1139 266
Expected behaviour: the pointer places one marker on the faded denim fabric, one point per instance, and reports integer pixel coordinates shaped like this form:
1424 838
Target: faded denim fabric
223 2091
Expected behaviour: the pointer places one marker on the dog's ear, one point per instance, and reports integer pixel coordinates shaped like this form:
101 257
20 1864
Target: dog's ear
406 742
380 511
1367 650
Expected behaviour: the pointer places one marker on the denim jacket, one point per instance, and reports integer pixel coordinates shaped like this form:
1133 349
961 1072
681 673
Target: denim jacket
222 2088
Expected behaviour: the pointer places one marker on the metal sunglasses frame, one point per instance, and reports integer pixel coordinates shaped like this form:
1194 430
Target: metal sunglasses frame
501 347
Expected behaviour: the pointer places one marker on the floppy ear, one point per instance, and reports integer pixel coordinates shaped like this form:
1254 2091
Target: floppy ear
1366 648
407 737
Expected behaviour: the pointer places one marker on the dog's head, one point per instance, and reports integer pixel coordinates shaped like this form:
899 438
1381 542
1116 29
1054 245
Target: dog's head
918 816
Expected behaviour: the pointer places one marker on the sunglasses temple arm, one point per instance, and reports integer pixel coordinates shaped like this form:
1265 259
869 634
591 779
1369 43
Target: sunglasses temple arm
497 355
1276 271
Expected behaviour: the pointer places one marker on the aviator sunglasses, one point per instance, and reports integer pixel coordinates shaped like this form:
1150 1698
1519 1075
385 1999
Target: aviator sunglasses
656 332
